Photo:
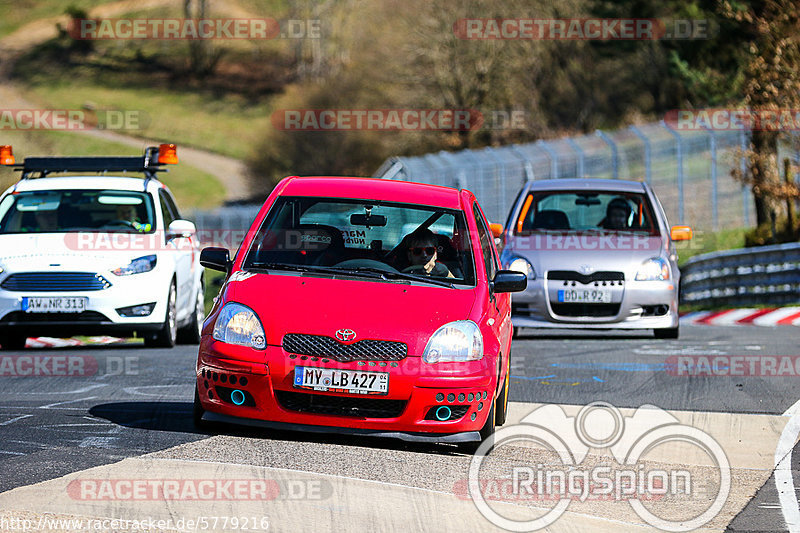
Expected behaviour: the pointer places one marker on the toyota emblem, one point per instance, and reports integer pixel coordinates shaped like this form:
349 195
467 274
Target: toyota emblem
345 335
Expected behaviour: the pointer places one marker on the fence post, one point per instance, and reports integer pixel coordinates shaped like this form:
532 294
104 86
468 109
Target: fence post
743 168
614 151
552 155
679 154
527 165
713 146
648 168
581 156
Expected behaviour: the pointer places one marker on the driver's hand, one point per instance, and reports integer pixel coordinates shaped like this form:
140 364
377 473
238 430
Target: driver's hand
428 267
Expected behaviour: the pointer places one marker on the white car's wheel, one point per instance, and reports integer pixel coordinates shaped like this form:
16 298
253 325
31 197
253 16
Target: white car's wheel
190 334
167 335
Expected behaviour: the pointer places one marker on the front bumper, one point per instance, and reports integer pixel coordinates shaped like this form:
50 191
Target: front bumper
634 305
414 389
100 315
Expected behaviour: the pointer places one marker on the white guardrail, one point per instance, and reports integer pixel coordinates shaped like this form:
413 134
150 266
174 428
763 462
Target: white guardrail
750 276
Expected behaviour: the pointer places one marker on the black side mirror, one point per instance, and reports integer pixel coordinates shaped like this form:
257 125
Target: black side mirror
216 259
509 281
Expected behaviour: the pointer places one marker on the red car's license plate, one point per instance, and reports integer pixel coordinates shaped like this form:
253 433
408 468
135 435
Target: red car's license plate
331 379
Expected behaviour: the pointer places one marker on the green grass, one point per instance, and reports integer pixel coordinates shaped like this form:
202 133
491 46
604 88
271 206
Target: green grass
192 187
223 124
707 241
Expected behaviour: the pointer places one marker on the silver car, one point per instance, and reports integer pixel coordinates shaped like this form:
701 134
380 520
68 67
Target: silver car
598 254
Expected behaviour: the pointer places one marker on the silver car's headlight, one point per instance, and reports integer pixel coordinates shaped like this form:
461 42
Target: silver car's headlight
457 341
238 324
137 266
654 269
520 264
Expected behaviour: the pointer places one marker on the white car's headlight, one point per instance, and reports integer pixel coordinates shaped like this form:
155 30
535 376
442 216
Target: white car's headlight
137 266
455 342
238 324
654 269
520 264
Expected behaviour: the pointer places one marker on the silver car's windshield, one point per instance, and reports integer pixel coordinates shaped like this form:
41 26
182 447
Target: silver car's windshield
586 211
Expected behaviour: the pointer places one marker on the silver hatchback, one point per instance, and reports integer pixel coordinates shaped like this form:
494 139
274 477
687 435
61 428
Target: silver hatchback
598 254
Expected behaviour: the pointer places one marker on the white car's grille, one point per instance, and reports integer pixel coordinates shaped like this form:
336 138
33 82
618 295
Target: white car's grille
55 282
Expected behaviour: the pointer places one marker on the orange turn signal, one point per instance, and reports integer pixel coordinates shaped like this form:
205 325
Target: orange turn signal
167 154
681 233
6 155
497 230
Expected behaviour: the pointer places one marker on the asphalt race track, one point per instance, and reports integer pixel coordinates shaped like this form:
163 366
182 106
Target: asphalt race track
64 440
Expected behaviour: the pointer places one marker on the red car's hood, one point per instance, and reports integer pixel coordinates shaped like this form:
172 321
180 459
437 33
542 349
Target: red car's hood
373 310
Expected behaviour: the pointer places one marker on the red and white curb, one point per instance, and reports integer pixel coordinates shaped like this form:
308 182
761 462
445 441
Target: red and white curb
51 342
776 316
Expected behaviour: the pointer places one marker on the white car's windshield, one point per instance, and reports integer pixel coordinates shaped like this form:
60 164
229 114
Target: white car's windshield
322 233
76 210
586 211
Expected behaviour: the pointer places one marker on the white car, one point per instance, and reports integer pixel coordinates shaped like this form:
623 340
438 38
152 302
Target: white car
97 254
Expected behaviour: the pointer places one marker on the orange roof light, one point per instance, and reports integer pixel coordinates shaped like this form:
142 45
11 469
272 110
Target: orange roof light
167 154
6 155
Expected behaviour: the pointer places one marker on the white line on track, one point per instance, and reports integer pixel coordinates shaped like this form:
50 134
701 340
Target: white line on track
53 405
8 422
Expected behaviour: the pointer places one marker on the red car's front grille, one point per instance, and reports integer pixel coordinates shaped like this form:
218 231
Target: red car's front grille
324 404
364 350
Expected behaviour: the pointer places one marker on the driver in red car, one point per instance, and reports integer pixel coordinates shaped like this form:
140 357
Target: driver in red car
422 254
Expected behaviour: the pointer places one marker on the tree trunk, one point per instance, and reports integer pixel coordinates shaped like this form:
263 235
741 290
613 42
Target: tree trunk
765 145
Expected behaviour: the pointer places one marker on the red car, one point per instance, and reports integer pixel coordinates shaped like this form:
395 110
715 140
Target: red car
362 306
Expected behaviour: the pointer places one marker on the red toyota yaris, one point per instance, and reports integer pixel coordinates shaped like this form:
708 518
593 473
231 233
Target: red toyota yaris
362 306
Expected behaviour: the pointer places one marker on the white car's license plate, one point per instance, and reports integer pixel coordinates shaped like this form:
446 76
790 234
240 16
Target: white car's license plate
56 304
598 296
330 379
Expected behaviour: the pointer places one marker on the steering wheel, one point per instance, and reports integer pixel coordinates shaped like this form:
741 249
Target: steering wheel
369 263
120 222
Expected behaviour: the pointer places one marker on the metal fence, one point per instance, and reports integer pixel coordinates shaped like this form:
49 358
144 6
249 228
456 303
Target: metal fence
689 171
763 275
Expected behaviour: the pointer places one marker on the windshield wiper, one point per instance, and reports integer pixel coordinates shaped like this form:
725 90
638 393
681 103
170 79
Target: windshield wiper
388 274
292 268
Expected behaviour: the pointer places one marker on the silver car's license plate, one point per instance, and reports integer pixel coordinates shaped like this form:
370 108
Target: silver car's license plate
599 296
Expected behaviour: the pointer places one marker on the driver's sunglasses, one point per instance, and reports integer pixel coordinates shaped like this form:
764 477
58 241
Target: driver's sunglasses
427 250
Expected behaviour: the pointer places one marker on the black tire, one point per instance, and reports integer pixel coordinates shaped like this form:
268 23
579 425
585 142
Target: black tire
667 333
167 335
487 432
12 341
190 333
197 413
501 407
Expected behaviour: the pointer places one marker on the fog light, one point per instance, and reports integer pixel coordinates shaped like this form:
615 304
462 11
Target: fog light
237 397
443 413
136 310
